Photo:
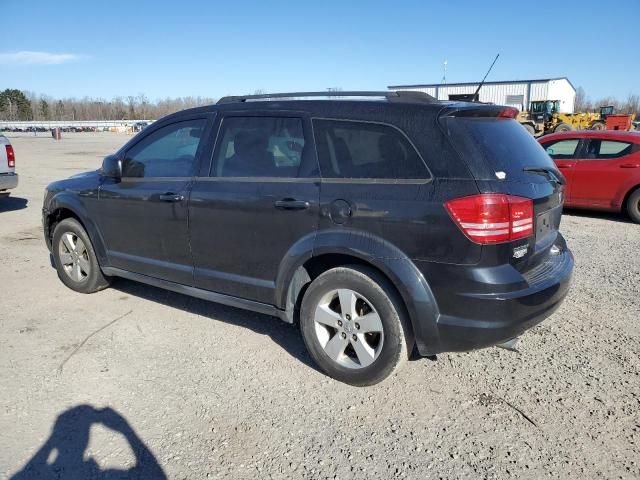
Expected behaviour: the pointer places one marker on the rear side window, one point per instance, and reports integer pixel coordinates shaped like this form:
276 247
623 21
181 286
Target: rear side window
366 151
498 148
604 149
168 152
562 149
259 147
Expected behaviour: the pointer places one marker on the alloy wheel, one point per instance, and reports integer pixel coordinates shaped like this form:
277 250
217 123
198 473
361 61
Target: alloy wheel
348 328
74 257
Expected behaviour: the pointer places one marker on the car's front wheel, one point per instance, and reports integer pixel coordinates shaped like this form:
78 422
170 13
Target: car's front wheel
353 324
74 258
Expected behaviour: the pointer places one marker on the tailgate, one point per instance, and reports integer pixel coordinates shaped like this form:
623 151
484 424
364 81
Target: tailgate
504 158
4 166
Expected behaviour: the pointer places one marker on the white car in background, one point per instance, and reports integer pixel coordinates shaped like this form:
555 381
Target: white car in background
8 175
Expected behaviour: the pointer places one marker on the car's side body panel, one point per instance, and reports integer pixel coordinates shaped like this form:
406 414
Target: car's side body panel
598 184
79 196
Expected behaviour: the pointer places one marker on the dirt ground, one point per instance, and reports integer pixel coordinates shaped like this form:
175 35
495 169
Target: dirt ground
138 378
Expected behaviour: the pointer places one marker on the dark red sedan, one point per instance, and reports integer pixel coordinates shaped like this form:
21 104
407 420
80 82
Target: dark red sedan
602 169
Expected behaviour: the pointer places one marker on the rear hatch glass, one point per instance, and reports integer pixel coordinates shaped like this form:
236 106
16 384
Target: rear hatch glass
499 149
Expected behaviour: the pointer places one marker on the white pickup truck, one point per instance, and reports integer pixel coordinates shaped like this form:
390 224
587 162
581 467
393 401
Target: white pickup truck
8 175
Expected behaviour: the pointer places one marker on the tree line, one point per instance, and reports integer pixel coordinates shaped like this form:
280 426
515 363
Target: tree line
23 105
583 103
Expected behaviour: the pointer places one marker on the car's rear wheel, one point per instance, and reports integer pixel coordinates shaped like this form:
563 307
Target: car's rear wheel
74 258
353 325
633 205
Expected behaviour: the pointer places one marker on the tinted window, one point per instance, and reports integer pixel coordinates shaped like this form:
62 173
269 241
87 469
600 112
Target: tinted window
259 147
167 152
562 149
365 150
604 149
503 145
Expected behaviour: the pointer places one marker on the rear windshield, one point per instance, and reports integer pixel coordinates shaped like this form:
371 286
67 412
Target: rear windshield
493 146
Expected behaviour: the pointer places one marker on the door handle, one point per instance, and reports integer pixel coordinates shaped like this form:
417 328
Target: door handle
292 204
171 197
565 166
630 165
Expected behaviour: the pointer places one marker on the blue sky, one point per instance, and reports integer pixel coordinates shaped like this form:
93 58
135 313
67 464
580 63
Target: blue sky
210 48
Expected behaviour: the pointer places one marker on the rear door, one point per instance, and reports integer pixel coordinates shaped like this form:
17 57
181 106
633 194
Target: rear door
563 153
601 171
259 199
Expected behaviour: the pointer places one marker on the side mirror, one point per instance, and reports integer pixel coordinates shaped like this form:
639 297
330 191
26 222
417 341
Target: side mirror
112 167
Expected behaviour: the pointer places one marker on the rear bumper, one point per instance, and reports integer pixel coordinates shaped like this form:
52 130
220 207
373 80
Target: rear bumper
8 181
469 320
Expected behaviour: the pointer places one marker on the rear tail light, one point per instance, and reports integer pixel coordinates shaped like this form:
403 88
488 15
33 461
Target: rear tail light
11 156
508 112
492 217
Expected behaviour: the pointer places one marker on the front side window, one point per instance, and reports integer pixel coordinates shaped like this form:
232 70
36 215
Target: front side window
259 147
167 152
366 151
606 149
562 149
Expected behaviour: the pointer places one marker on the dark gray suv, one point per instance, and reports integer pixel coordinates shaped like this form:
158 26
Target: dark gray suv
378 224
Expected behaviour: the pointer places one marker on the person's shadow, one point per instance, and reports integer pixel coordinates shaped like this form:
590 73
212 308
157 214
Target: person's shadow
62 455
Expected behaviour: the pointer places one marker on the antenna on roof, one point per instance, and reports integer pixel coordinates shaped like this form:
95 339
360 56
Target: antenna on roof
476 96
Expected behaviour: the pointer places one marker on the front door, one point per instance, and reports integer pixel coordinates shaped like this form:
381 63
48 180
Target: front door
599 172
144 216
260 199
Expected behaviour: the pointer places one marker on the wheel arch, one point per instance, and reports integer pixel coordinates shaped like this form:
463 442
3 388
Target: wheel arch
629 192
66 206
328 249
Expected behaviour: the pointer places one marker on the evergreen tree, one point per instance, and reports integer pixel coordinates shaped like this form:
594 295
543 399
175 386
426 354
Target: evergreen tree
44 109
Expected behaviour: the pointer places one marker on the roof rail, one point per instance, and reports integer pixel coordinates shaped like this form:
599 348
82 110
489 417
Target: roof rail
399 95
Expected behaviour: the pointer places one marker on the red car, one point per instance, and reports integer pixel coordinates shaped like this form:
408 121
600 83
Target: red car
602 169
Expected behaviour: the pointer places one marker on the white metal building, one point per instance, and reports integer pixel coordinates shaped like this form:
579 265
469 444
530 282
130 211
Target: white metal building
516 93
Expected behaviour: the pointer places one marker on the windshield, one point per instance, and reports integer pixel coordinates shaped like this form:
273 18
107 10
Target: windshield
495 148
550 106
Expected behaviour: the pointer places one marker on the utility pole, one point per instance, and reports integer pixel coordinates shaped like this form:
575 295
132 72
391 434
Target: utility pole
444 73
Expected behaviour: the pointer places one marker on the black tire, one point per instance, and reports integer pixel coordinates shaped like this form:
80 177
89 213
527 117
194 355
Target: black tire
529 128
563 127
598 126
633 205
386 303
91 281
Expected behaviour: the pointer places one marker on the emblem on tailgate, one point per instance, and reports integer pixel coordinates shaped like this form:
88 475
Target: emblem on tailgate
520 251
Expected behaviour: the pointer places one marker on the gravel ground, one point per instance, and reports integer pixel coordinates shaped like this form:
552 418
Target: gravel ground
134 375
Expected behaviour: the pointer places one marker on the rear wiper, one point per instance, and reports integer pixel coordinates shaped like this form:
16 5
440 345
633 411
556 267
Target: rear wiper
547 172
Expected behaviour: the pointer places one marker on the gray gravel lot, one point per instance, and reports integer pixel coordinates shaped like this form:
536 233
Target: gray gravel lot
214 391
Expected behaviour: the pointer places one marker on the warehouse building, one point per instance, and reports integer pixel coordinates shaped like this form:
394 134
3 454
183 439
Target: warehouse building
515 93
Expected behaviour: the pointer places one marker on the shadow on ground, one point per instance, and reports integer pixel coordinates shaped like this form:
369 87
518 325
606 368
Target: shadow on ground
10 204
285 335
614 217
63 454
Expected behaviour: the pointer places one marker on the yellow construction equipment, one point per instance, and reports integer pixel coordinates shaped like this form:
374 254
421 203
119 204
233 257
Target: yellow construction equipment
545 117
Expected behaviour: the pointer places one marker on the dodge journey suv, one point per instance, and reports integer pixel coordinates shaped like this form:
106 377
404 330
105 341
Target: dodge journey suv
378 224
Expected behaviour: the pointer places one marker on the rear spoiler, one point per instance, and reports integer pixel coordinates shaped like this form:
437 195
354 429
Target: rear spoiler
478 111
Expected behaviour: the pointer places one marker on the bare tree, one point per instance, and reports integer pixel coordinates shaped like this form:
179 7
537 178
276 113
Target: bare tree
582 102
